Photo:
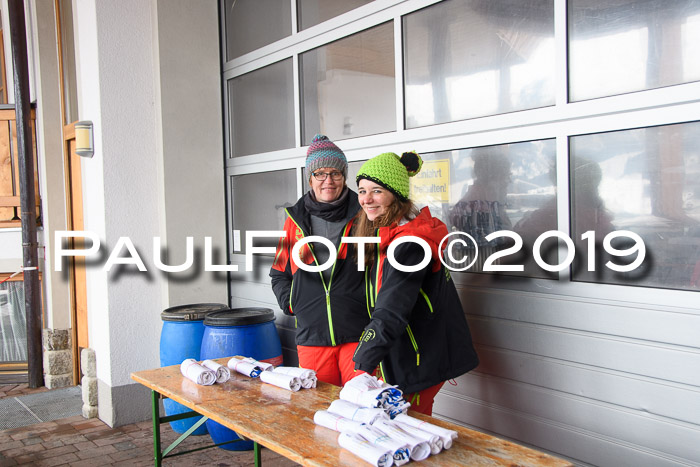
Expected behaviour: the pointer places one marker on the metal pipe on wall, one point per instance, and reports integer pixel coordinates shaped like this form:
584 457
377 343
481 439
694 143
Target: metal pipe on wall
32 293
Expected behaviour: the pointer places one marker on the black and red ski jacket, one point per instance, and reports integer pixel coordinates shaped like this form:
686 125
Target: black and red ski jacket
418 334
327 313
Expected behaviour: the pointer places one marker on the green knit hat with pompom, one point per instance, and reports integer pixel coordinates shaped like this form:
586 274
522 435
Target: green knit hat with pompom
391 171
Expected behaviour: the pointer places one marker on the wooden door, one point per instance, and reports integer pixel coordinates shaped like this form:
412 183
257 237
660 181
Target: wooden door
76 265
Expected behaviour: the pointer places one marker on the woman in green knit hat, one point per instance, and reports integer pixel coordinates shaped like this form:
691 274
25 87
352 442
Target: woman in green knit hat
418 335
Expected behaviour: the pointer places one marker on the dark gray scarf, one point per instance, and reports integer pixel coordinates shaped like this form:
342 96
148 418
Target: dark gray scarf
333 212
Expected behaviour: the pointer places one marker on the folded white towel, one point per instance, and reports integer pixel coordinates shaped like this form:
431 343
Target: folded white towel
368 391
307 377
433 440
193 371
366 398
419 449
223 374
244 367
356 412
445 434
335 422
375 455
283 381
365 382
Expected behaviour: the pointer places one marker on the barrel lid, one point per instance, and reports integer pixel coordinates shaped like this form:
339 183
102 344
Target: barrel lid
239 317
193 312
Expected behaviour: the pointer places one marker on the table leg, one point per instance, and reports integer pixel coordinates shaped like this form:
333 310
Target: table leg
158 457
257 454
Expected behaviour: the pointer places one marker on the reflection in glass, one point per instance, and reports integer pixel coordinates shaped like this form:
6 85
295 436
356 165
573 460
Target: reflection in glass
259 201
313 12
649 185
254 24
470 58
348 86
13 322
482 190
261 109
628 45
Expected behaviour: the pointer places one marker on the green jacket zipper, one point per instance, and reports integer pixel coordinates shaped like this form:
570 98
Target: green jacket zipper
323 282
427 300
373 298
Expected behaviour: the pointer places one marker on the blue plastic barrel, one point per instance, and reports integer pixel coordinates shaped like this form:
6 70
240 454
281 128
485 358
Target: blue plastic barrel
181 338
248 332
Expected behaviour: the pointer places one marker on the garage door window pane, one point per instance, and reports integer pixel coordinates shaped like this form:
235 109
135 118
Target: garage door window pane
259 201
348 86
646 181
313 12
483 190
254 24
470 58
261 110
626 46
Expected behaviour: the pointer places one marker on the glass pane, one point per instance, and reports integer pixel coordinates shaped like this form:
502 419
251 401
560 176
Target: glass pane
259 201
628 45
251 24
70 84
470 58
646 181
13 324
348 86
313 12
483 190
261 110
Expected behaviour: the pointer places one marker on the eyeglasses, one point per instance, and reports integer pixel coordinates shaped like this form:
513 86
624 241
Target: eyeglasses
322 176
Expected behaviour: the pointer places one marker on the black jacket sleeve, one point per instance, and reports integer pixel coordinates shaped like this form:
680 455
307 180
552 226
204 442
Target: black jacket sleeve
395 301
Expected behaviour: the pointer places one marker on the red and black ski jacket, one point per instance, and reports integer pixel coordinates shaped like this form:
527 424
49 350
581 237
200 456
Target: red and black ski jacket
327 313
418 334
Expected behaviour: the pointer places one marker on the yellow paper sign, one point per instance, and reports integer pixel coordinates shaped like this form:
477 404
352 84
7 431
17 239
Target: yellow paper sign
432 183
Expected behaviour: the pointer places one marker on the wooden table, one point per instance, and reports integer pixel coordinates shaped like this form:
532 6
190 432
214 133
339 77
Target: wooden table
282 421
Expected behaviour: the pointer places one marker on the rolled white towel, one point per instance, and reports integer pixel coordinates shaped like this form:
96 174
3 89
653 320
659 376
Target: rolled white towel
307 377
401 453
375 455
433 440
419 449
193 371
283 381
244 367
445 434
335 422
264 366
223 374
295 371
356 412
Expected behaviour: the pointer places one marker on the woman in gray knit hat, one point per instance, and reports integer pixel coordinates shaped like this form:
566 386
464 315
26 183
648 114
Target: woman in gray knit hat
329 306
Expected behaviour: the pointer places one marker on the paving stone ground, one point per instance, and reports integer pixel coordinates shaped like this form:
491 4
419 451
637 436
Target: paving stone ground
80 442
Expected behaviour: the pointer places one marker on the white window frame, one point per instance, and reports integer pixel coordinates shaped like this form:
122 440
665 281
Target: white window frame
661 106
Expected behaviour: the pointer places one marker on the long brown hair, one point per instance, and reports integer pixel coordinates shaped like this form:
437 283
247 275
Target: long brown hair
363 227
